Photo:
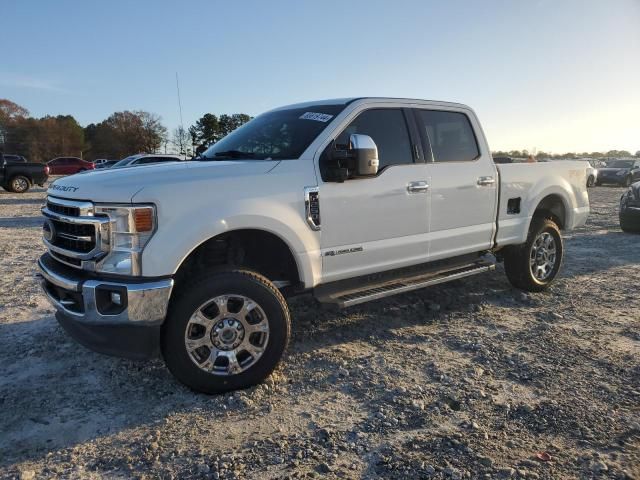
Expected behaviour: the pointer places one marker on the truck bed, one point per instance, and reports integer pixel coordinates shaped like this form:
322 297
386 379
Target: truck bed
524 185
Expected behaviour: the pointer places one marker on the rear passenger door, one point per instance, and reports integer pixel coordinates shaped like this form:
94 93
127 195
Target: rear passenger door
463 183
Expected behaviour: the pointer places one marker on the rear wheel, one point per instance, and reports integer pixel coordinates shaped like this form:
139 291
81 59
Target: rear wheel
19 184
534 265
225 331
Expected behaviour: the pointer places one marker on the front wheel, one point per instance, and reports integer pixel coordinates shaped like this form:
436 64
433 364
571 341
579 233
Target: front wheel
19 184
534 265
591 181
628 181
225 331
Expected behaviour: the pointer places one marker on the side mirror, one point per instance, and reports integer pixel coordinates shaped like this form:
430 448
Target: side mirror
365 155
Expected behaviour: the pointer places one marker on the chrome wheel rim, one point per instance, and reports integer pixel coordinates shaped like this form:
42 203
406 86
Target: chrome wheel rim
543 256
20 184
227 335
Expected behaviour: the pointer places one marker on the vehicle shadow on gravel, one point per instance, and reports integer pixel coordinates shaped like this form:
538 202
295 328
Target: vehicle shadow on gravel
20 201
56 394
20 222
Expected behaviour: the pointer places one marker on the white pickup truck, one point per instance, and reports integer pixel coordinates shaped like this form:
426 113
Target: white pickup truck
350 200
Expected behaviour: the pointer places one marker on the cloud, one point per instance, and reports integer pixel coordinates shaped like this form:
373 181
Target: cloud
22 81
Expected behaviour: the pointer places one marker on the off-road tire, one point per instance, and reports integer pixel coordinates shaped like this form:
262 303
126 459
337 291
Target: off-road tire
19 184
194 294
629 224
517 257
591 181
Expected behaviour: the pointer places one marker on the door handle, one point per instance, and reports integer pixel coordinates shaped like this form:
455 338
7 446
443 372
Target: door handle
417 187
486 181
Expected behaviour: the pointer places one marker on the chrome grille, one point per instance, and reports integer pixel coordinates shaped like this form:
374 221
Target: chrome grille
63 209
73 234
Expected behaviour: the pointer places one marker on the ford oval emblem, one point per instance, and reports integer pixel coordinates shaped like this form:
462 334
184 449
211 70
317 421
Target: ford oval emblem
48 231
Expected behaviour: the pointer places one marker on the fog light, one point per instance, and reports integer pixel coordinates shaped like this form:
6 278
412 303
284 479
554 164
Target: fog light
116 298
111 299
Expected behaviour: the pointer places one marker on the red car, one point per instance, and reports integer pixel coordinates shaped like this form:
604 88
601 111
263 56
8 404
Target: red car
68 166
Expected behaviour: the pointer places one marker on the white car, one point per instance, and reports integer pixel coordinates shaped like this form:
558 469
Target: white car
592 176
351 200
145 159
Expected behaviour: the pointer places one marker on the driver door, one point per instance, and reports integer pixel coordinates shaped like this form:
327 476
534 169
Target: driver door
377 223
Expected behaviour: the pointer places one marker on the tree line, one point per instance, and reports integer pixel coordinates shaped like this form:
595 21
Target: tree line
566 156
121 134
129 132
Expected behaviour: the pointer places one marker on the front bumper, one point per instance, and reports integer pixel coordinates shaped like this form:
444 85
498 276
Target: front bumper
85 307
611 180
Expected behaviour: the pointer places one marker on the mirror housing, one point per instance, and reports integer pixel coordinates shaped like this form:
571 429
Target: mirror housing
364 154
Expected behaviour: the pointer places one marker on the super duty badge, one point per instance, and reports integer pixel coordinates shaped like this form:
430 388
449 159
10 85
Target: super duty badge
63 188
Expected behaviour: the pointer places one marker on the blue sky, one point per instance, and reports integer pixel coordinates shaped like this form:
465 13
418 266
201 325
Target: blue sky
553 75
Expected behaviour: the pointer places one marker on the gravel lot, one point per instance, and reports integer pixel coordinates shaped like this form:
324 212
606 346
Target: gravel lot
469 380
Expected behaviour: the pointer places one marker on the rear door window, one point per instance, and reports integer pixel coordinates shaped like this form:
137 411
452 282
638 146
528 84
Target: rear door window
450 135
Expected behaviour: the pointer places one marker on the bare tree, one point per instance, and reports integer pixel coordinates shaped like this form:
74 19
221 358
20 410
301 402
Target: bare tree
181 140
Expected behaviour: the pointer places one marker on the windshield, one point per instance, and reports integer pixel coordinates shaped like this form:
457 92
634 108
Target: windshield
620 164
125 161
282 134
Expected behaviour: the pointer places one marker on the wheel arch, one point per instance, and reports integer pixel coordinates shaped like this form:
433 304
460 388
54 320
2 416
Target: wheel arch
257 249
553 206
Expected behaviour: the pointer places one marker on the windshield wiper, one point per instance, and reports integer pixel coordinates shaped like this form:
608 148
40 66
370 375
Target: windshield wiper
234 154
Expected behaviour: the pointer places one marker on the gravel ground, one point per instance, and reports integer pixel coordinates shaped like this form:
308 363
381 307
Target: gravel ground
469 380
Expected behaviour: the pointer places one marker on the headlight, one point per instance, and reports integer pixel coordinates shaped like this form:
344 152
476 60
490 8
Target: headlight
131 228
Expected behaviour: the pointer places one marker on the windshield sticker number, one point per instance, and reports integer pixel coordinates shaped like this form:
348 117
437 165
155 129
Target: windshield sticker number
318 117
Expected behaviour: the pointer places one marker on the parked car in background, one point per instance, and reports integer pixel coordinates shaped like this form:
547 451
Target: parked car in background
11 158
592 176
630 209
502 160
144 159
106 164
68 166
619 172
18 177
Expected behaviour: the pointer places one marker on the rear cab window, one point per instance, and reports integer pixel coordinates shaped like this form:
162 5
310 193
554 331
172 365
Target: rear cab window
448 134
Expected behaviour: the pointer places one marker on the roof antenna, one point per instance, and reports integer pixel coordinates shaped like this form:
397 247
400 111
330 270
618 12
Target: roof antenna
179 104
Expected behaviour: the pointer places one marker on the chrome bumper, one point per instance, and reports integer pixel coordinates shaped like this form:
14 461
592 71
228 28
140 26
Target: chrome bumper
145 303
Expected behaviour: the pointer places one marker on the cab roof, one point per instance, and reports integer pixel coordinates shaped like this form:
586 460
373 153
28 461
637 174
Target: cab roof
347 101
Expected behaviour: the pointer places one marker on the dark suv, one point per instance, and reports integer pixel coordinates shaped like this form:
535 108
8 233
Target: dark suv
619 172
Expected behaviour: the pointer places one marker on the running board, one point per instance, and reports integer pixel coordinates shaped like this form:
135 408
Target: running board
348 298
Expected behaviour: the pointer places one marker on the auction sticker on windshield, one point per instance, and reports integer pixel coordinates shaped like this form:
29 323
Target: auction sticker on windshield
318 117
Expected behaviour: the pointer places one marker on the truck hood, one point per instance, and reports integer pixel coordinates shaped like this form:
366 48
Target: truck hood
122 184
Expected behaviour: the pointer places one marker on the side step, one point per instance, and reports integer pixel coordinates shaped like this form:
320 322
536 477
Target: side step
373 291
